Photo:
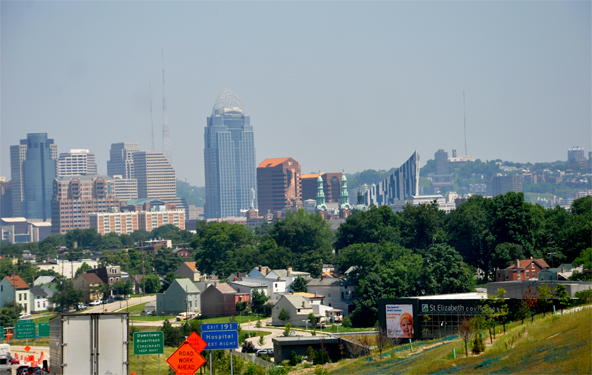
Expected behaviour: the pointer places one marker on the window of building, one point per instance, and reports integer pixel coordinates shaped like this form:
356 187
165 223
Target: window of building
519 275
507 277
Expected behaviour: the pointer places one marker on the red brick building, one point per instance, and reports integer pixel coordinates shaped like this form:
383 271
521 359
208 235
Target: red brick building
527 269
278 184
219 300
331 186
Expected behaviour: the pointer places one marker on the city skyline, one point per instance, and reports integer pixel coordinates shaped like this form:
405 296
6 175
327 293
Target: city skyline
382 79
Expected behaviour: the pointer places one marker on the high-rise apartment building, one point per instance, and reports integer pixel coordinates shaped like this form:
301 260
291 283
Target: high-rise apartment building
399 186
33 167
126 222
75 197
125 188
331 186
77 162
155 175
575 153
504 184
278 184
121 160
229 158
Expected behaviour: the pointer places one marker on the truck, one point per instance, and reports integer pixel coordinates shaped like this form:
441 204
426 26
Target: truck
5 359
94 343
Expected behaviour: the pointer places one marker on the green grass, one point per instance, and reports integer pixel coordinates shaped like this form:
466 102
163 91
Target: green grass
134 308
551 344
153 318
238 319
44 319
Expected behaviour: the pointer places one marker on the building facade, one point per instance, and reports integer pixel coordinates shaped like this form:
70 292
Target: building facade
154 174
575 153
121 160
125 188
33 167
278 184
504 184
441 159
77 162
229 158
399 186
331 186
127 222
75 197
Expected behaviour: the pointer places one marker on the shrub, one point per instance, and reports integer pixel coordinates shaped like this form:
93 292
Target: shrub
248 346
478 344
346 322
253 369
585 296
277 370
319 370
295 358
310 353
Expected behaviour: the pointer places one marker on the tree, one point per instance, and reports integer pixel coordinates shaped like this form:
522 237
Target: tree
9 314
299 285
377 225
531 298
110 241
445 272
465 331
169 279
166 261
346 322
258 300
382 339
288 327
312 319
584 260
422 226
151 283
284 315
563 296
123 288
68 296
545 297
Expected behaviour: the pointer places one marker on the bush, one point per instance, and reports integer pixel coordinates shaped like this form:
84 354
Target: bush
319 370
585 296
253 369
248 347
478 344
295 358
321 357
277 370
346 322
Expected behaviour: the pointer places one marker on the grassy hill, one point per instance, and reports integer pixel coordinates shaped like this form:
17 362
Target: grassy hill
558 344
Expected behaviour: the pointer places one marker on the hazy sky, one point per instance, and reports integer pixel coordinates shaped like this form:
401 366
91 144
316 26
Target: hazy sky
334 85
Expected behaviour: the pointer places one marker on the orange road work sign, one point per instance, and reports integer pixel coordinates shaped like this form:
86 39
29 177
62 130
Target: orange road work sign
186 360
197 342
8 335
27 348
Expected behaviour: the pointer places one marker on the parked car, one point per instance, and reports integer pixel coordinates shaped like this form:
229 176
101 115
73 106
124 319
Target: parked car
96 303
144 313
32 370
20 369
267 352
109 300
24 316
321 325
185 316
82 306
14 361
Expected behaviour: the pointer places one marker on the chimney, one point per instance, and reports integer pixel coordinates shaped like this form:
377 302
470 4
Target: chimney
238 275
517 265
530 258
289 271
303 302
562 268
322 276
236 279
260 269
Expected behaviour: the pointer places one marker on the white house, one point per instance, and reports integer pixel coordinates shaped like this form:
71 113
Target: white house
297 308
275 287
11 288
39 299
339 292
288 275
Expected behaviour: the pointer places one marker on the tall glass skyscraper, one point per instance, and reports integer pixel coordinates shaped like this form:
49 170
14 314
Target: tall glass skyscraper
229 158
399 186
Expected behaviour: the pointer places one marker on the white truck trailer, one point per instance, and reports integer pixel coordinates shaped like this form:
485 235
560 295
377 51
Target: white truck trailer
94 344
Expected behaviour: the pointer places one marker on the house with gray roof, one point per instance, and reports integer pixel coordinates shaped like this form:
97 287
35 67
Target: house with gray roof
248 287
297 308
288 275
220 299
42 280
563 272
181 296
39 302
339 292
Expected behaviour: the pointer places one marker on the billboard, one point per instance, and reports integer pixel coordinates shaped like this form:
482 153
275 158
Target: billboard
399 321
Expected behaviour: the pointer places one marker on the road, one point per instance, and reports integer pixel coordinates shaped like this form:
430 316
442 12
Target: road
120 304
275 332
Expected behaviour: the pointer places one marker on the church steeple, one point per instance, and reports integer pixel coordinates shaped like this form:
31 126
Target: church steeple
344 198
320 194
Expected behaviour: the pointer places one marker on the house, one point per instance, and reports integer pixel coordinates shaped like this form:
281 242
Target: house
39 301
288 275
527 269
15 287
181 296
109 274
184 252
297 308
260 271
190 271
90 284
563 272
339 292
135 279
275 288
50 290
248 287
220 300
42 280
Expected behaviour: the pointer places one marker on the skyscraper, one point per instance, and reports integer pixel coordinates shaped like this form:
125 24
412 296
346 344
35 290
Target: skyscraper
278 183
33 167
121 160
155 175
399 186
441 159
229 158
77 162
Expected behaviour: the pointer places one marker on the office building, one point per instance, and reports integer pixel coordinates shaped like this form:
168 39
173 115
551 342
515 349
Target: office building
504 184
331 186
5 198
77 162
229 158
125 188
154 174
33 167
121 159
399 186
75 197
278 184
441 159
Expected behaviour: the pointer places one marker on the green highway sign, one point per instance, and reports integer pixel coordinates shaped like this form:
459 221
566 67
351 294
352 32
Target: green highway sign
43 329
148 343
25 330
1 333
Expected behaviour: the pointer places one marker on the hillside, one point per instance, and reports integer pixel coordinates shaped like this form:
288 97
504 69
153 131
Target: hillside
553 345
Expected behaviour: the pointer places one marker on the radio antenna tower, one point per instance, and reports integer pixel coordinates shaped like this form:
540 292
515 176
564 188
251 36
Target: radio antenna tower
465 121
151 117
166 142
